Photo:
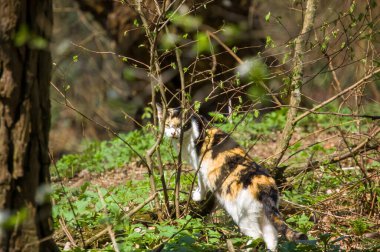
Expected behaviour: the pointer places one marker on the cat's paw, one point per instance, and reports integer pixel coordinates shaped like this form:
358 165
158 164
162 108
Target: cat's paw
197 195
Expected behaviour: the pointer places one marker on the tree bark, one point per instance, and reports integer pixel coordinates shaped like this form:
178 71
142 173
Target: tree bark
25 73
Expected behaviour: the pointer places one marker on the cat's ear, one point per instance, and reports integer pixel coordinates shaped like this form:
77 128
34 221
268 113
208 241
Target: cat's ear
176 111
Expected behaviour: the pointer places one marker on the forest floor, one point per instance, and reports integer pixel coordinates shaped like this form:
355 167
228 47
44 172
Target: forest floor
333 204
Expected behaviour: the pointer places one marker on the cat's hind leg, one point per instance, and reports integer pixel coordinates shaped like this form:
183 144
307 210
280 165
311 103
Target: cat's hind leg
246 213
250 227
270 234
248 220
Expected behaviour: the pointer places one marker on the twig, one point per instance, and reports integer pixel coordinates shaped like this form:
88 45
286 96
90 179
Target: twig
360 148
112 53
79 227
311 209
67 104
179 163
355 85
109 226
240 61
297 81
129 214
155 75
230 246
136 209
67 232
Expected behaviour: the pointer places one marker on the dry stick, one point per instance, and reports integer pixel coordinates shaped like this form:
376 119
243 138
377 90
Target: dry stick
295 96
67 197
338 85
230 246
350 88
112 53
361 147
240 61
355 85
67 232
108 129
154 69
183 100
179 166
357 149
313 210
155 148
128 215
31 244
109 226
358 164
183 103
145 162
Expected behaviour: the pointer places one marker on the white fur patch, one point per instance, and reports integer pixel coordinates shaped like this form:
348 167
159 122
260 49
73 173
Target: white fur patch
172 132
248 214
197 195
195 128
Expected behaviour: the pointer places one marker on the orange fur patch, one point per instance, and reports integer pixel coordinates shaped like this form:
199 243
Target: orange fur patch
260 180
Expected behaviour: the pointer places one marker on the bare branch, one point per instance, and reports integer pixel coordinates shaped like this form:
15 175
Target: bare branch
295 96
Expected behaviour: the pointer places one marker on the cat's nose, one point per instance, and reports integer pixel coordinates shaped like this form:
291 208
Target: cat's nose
175 134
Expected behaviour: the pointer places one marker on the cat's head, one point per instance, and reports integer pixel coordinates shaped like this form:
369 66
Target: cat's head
172 121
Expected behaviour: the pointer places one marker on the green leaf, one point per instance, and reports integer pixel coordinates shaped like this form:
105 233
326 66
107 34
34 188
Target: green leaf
253 69
22 35
269 42
197 105
203 43
218 117
39 42
267 17
256 113
136 23
169 40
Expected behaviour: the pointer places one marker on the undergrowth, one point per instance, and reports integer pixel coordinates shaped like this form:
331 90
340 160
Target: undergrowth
322 199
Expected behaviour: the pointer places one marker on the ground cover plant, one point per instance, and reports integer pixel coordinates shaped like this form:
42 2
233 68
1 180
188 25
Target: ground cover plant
296 83
84 163
327 204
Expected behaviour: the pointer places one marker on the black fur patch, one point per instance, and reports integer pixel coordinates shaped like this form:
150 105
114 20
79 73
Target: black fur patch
252 170
228 190
268 192
221 143
268 195
230 164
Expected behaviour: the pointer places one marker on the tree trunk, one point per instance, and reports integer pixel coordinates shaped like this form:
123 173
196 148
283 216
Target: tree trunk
296 84
25 69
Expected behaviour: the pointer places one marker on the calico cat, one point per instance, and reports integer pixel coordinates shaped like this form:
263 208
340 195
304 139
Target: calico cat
245 189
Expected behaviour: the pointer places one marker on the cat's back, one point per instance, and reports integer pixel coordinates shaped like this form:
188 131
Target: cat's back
228 168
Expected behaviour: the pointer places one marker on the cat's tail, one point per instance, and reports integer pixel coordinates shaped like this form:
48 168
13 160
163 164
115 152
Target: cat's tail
272 213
